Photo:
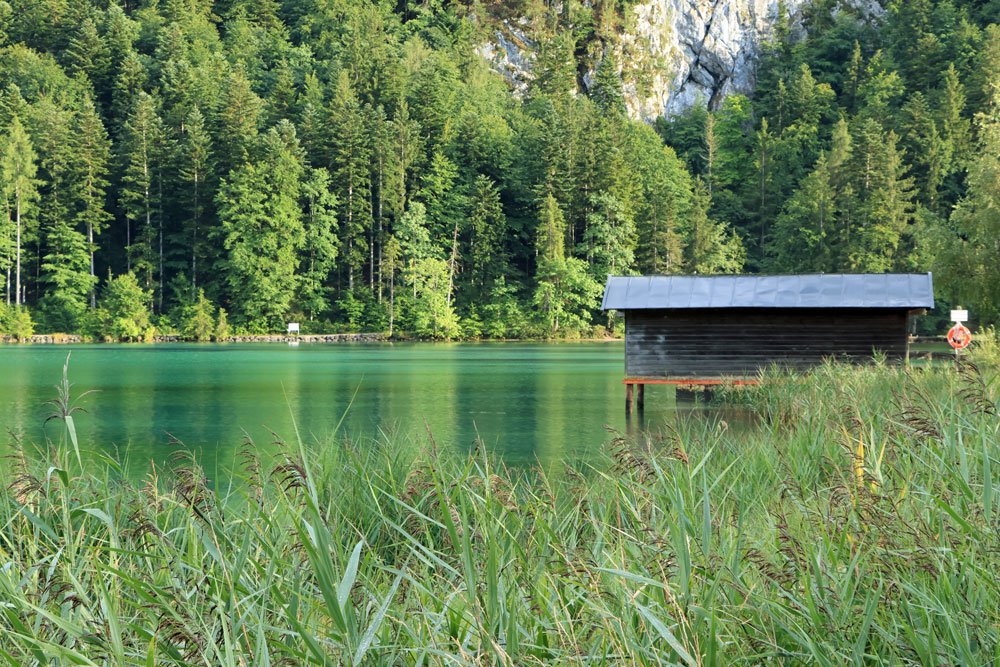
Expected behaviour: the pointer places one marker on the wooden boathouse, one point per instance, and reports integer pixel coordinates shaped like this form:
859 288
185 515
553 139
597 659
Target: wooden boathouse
703 330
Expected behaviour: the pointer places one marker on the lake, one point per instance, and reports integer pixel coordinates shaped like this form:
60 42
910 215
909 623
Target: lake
527 401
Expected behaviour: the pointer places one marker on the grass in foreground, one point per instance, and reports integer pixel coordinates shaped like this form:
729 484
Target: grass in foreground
858 525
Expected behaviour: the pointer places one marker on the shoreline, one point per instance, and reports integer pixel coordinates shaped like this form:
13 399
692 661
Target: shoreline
76 339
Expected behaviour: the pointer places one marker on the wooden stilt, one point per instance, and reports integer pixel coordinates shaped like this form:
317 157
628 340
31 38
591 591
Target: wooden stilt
640 399
628 398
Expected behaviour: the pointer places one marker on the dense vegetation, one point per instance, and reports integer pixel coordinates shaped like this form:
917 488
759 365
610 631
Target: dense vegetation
356 166
856 523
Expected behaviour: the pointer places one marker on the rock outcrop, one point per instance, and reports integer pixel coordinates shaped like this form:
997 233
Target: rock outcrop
673 53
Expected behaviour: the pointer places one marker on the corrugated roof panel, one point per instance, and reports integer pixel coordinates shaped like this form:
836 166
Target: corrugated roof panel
794 291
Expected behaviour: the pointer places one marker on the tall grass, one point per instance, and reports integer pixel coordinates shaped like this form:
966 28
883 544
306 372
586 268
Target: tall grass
858 524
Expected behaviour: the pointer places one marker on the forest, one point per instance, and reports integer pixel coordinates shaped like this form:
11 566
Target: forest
211 167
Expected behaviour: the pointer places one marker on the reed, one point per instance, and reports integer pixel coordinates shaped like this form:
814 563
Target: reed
856 524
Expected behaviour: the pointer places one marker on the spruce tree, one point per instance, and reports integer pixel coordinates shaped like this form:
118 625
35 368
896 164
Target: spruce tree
196 167
89 181
262 231
319 252
351 170
20 189
140 156
65 276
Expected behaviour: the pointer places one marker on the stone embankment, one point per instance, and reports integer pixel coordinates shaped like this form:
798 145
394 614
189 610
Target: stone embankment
44 338
173 338
311 338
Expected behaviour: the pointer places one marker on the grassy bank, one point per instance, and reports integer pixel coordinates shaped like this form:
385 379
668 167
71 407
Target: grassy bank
858 524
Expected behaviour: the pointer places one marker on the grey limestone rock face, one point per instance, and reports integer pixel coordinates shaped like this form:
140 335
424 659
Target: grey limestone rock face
673 53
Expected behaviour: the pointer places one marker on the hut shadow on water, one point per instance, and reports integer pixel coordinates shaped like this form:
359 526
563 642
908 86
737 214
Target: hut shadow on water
670 409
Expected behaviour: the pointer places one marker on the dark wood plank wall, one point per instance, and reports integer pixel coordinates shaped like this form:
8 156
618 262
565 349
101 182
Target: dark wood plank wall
721 342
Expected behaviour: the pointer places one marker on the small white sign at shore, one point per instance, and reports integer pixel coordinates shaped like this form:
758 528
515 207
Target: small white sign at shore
293 326
960 315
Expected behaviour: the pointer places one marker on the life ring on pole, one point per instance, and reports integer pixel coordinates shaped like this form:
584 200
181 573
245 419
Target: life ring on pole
959 336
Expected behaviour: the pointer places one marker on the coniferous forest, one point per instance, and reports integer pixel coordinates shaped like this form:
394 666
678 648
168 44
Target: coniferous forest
204 167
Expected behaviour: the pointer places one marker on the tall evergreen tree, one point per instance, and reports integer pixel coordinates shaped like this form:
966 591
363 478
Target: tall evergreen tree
89 181
20 188
351 171
196 167
66 277
140 155
487 227
261 229
321 244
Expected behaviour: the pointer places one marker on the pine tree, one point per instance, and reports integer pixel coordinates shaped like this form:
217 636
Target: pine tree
351 170
607 90
406 148
392 263
261 229
88 55
321 243
805 232
50 128
66 276
196 167
237 122
610 237
141 156
89 181
974 260
20 189
710 247
487 225
564 291
127 85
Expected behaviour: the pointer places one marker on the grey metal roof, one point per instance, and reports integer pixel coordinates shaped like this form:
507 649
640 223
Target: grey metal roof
871 290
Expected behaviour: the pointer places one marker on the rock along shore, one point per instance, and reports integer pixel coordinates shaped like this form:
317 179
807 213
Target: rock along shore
173 338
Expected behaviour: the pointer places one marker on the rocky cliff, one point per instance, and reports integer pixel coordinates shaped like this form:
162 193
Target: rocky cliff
673 53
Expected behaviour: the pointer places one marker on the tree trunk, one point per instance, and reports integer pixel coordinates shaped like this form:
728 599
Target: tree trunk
17 197
451 267
380 200
392 299
159 227
194 238
350 240
93 282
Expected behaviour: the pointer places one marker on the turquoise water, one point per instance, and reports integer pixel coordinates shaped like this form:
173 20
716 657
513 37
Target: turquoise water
527 401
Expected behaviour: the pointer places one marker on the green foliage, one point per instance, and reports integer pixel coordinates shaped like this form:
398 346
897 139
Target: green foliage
712 248
66 270
20 190
16 321
974 258
199 324
221 332
126 305
262 230
431 314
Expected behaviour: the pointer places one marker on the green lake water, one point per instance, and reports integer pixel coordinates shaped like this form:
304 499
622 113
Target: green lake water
529 402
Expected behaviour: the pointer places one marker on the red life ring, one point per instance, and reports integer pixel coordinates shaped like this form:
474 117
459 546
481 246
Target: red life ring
959 336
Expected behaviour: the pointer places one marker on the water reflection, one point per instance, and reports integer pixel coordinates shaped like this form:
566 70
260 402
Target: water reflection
529 402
